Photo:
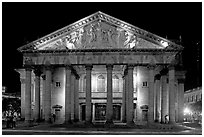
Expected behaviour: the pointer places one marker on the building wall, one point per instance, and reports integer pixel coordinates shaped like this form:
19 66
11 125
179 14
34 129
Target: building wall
58 93
192 96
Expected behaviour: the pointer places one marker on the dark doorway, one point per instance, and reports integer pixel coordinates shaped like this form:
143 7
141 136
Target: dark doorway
144 115
100 112
116 112
83 112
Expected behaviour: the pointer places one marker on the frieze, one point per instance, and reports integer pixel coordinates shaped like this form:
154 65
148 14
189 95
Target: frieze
103 58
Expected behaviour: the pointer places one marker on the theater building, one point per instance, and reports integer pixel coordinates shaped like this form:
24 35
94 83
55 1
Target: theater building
102 69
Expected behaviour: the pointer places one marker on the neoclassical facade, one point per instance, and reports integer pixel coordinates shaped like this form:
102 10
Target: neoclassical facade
102 69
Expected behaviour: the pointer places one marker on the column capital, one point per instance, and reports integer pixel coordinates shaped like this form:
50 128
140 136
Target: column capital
28 68
151 67
68 67
43 76
88 67
157 77
181 80
47 67
37 72
109 66
164 71
130 66
22 80
171 66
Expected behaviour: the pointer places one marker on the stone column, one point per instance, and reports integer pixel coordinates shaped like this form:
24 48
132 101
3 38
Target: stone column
76 100
158 98
23 81
72 95
171 94
180 99
151 95
126 95
43 96
67 95
109 107
163 98
124 102
37 95
28 96
88 94
130 111
47 98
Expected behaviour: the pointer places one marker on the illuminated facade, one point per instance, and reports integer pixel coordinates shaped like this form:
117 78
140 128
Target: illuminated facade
102 69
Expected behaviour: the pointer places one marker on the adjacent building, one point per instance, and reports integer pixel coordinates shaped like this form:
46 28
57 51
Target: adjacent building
193 105
102 69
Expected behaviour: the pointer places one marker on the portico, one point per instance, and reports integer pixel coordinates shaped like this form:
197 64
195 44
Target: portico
100 70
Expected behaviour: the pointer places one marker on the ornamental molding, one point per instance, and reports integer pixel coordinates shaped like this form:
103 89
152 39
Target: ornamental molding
92 29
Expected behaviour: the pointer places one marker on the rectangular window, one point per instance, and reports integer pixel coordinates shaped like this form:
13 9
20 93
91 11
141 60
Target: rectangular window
188 99
57 84
144 84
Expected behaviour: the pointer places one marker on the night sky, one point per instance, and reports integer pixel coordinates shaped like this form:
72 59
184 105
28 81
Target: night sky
25 22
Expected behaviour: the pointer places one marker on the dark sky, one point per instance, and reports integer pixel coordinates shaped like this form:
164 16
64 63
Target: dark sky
25 22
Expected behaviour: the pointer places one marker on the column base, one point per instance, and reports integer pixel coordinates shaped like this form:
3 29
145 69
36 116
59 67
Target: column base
124 120
76 120
172 122
88 124
131 124
29 123
109 124
151 122
68 122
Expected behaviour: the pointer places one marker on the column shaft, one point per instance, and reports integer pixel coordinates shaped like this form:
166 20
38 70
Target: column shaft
109 107
163 98
130 114
171 95
124 102
72 95
37 95
180 101
47 98
43 96
158 100
76 100
28 96
68 95
151 95
88 94
23 81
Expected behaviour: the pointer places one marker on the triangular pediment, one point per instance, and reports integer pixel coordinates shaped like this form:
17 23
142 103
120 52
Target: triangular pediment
100 31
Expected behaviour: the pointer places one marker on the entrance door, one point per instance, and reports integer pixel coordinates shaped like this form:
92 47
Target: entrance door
144 115
100 112
116 112
83 112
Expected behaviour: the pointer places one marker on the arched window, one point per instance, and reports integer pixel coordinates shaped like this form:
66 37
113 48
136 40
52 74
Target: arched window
100 83
84 84
115 83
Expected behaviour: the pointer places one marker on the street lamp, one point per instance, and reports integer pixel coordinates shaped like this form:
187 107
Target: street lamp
187 111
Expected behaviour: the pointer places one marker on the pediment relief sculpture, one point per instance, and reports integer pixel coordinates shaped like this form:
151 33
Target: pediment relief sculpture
100 31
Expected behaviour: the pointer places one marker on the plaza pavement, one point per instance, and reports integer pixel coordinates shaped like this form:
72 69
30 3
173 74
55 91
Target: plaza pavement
98 129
